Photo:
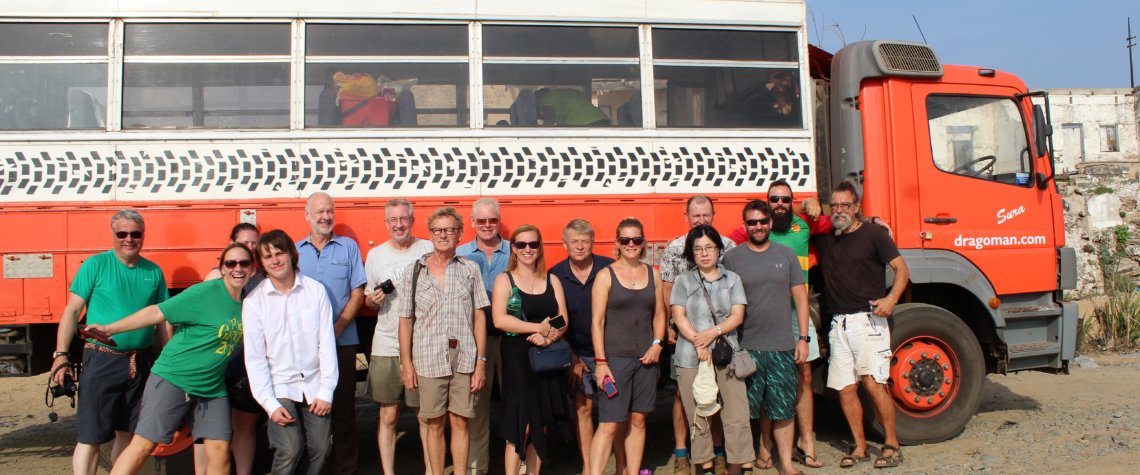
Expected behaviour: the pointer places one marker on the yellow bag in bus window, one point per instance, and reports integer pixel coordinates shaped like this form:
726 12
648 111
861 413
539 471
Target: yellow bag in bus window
358 85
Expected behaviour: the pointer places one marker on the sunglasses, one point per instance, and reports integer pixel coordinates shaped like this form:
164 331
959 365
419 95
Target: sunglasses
625 241
244 263
520 245
754 222
779 199
486 221
132 234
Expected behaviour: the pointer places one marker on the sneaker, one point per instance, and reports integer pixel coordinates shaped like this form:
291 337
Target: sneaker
681 466
720 465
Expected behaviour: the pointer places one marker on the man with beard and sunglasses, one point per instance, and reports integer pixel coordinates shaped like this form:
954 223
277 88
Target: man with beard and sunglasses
854 260
774 286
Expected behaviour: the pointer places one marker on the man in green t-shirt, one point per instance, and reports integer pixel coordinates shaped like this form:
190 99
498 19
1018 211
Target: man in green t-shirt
568 107
111 285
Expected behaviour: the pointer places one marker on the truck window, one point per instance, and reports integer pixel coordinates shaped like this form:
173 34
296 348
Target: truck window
726 79
386 75
53 76
979 137
561 76
196 75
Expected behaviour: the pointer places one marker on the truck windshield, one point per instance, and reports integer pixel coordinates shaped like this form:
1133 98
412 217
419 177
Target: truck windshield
979 137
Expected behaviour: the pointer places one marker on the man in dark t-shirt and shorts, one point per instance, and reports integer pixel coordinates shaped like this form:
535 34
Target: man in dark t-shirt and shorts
854 260
771 273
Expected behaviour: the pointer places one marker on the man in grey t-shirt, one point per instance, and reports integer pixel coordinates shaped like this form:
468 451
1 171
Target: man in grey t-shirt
771 273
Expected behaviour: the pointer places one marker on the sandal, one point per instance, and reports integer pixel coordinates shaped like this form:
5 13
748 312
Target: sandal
893 460
764 464
803 458
850 460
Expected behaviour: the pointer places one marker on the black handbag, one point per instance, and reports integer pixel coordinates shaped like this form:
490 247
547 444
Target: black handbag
721 349
553 357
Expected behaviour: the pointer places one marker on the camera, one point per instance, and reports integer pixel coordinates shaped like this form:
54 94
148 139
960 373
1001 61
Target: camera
387 287
67 389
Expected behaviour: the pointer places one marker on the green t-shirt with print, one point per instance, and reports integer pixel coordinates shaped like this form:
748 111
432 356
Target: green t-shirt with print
113 291
208 327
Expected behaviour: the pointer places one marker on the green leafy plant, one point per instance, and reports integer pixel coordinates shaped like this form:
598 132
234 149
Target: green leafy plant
1116 324
1101 190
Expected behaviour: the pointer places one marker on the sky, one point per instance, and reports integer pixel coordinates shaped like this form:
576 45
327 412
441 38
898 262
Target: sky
1048 43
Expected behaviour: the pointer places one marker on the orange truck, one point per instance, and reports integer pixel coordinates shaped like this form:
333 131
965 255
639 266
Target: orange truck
229 113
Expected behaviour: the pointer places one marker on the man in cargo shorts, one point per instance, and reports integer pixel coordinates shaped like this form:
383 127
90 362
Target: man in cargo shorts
385 270
443 338
111 285
854 259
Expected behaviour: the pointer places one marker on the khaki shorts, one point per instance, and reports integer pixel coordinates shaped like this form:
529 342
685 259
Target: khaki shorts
385 379
860 346
438 396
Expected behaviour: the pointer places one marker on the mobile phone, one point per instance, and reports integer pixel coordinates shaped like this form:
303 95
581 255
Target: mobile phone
558 322
609 387
97 335
387 287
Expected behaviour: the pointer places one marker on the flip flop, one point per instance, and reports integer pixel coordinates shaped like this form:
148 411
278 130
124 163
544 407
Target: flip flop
806 460
851 460
893 460
762 464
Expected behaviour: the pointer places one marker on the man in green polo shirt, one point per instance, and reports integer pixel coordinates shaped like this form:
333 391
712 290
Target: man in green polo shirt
111 285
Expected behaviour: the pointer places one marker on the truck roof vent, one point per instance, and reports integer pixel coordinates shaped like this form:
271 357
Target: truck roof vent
907 59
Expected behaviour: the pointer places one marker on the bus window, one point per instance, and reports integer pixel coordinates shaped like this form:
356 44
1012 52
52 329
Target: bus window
726 79
195 75
561 76
53 93
386 75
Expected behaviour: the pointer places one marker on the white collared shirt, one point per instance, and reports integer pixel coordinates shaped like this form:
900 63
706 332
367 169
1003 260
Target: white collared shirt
290 347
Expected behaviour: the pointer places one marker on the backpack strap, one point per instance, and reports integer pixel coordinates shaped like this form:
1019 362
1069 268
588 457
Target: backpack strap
415 278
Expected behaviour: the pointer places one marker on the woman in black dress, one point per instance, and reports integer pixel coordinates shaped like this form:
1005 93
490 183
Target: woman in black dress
532 403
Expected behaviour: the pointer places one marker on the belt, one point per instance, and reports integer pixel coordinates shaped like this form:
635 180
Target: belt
452 343
131 355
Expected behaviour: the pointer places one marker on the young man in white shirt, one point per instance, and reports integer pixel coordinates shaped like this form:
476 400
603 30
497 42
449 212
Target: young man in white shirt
290 356
387 263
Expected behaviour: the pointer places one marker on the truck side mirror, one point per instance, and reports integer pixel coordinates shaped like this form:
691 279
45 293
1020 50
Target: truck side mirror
1041 130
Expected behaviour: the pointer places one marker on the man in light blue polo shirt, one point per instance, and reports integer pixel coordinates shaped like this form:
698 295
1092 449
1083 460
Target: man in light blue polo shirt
335 262
490 251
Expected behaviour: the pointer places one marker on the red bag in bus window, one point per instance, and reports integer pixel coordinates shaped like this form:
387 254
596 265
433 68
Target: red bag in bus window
365 111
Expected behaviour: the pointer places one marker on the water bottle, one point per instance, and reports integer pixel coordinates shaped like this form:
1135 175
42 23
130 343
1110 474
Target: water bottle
514 307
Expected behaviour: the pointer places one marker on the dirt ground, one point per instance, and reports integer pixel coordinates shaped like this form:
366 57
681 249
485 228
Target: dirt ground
1027 423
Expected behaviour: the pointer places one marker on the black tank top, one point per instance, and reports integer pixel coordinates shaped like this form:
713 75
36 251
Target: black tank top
536 307
629 318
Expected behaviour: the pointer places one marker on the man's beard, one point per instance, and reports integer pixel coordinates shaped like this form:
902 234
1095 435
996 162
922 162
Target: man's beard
840 222
757 241
781 222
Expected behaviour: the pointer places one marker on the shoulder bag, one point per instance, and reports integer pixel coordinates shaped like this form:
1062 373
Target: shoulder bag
723 354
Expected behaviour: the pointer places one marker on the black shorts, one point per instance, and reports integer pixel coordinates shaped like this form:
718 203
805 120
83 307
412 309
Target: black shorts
637 390
109 396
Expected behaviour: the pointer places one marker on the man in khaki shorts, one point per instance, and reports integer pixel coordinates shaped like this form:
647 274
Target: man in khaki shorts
385 271
442 338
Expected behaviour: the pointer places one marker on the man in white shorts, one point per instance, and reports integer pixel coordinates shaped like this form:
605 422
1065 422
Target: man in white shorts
854 259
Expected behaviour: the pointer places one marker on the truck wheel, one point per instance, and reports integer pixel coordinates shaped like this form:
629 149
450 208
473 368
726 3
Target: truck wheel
937 372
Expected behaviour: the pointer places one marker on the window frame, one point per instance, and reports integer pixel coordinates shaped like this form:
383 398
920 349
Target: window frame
1024 122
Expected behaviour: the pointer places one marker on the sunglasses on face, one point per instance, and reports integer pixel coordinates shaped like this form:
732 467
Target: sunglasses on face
486 221
761 221
132 234
625 241
520 245
779 199
244 263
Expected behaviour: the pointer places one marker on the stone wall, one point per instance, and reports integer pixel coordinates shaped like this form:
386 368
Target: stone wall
1093 126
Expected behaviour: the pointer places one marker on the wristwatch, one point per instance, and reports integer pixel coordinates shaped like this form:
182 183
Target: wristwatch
656 341
482 358
61 353
806 338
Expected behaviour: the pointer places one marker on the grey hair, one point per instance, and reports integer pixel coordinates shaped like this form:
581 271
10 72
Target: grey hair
577 225
129 215
493 203
447 212
392 203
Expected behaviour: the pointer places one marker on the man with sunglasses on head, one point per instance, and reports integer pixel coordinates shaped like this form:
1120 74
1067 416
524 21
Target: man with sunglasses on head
854 259
385 270
111 285
442 339
773 281
490 252
335 262
698 210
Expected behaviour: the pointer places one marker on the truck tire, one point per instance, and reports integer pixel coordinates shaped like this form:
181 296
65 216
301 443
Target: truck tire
937 373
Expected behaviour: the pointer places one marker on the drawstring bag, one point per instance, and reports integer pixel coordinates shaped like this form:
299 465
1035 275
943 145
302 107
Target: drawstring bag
705 393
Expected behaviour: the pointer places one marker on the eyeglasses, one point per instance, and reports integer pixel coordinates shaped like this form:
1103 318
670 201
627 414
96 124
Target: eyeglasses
442 231
761 221
709 249
625 241
399 219
580 243
520 245
779 199
244 263
845 206
132 234
486 221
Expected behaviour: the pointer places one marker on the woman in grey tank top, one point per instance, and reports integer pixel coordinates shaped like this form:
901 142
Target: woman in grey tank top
628 324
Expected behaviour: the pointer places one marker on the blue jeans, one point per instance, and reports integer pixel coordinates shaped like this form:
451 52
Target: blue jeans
290 442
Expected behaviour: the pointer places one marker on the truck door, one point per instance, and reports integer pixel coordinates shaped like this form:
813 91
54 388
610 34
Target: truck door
976 188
